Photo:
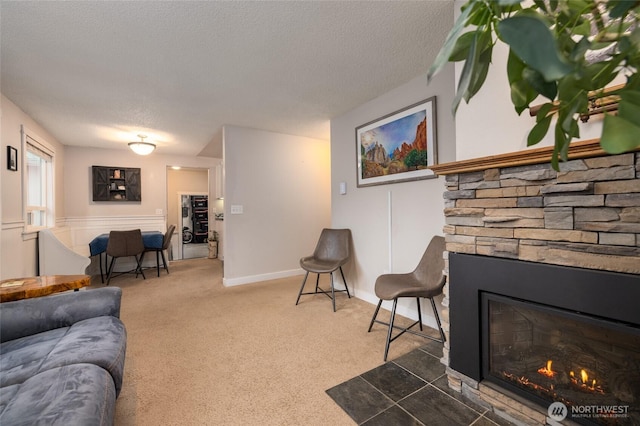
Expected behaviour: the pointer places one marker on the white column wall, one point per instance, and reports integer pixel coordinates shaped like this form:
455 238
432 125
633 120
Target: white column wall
282 183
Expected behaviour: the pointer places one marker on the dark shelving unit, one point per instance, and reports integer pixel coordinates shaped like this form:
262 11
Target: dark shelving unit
200 218
116 183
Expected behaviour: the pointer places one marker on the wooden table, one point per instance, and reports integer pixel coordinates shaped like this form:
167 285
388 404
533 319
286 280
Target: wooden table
25 288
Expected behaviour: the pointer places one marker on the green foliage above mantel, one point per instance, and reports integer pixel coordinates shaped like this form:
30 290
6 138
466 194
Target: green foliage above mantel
567 51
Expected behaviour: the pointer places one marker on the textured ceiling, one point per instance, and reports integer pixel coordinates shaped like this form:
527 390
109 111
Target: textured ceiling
97 73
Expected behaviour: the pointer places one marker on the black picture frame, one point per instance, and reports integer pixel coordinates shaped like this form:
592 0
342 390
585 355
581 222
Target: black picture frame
12 158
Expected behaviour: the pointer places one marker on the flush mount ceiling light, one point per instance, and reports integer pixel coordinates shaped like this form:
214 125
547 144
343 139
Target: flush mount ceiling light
142 147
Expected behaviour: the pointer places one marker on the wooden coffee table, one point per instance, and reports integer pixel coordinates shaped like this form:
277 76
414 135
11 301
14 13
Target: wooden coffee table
25 288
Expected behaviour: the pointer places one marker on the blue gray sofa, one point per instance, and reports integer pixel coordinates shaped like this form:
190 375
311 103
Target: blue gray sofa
61 358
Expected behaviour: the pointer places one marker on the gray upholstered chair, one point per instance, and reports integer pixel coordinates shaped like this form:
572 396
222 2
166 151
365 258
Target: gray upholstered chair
332 251
426 281
166 240
125 244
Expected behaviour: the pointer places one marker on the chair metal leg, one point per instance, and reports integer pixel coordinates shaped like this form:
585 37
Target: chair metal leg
333 293
302 287
139 262
375 315
100 262
318 290
110 270
158 261
139 269
435 313
407 329
393 317
164 262
345 283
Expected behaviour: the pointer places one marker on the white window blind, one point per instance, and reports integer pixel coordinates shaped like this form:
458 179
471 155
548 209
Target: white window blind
38 184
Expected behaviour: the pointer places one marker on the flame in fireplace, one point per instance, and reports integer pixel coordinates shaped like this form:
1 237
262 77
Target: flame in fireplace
583 383
546 370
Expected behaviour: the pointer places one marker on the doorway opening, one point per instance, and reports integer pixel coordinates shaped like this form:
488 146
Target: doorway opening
194 225
188 208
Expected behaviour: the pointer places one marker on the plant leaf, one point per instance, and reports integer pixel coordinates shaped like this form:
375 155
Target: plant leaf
560 140
579 49
481 64
620 7
567 118
544 111
583 28
465 76
461 48
514 67
539 130
533 42
600 74
629 106
548 89
480 74
522 94
619 135
449 44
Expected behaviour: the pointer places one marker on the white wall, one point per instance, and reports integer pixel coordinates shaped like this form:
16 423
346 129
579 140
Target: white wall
416 207
282 183
18 251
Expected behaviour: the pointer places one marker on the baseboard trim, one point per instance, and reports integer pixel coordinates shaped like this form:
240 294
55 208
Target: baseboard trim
230 282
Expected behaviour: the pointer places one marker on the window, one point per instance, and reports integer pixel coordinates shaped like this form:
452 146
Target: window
38 182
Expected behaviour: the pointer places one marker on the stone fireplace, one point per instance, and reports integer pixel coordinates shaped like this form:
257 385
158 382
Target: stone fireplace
544 278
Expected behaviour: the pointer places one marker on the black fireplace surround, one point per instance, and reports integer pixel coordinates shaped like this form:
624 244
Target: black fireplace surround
610 297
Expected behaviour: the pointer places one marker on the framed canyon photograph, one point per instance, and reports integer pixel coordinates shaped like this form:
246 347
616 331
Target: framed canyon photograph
398 147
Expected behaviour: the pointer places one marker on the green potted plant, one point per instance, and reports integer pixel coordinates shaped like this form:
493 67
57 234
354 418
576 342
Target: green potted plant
567 51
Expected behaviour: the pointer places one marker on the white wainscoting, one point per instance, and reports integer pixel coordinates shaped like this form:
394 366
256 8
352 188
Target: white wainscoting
85 229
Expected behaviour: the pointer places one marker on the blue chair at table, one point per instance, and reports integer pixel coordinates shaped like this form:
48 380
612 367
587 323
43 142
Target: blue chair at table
166 241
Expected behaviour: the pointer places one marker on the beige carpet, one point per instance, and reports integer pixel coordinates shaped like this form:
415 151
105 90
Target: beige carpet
202 354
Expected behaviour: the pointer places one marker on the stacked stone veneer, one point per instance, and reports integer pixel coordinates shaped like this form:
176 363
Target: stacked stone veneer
585 215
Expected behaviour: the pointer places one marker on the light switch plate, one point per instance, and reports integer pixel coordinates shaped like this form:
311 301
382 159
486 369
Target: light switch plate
237 209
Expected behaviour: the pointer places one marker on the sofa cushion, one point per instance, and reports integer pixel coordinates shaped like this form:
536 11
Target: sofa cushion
32 316
79 394
22 358
100 341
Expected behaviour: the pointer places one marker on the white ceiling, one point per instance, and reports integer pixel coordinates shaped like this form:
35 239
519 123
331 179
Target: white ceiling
97 73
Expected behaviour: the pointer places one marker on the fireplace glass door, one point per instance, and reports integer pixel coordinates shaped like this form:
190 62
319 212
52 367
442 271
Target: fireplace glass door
548 355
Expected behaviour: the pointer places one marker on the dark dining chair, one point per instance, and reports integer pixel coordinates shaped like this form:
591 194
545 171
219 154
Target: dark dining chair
125 244
166 241
426 281
332 251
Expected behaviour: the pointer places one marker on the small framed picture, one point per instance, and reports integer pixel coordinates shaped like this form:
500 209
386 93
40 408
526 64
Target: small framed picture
12 158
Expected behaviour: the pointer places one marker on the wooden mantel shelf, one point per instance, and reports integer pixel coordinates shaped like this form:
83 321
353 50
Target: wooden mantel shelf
582 149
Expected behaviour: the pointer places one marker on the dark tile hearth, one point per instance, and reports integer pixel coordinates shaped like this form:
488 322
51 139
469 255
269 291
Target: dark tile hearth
409 390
